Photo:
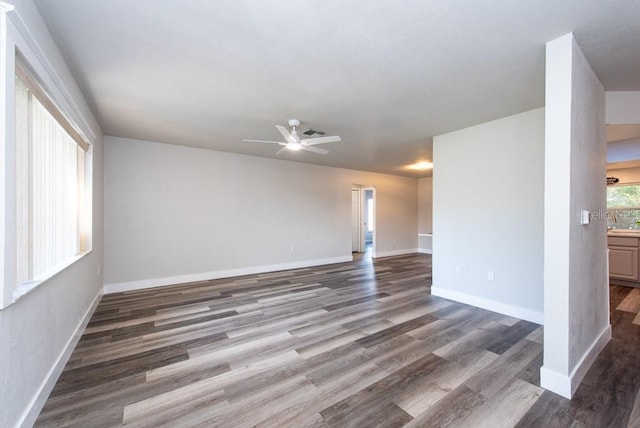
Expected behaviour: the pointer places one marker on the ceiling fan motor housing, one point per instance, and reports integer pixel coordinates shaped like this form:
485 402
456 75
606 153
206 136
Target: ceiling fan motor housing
294 122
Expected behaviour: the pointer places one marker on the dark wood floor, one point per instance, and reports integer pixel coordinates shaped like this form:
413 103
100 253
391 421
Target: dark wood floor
357 344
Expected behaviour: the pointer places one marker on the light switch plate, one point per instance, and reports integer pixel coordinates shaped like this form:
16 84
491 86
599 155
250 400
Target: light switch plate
585 217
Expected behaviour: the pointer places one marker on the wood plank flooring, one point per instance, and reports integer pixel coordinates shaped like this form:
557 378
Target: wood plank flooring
631 303
360 344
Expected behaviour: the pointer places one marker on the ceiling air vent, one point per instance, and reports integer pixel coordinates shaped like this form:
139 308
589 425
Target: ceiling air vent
311 132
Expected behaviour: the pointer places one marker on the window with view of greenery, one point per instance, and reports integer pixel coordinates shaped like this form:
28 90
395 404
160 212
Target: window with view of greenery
623 196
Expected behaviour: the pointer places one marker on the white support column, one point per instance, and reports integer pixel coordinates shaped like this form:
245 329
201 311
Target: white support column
576 312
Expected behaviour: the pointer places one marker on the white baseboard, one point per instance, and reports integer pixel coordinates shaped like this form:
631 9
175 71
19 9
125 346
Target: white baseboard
226 273
425 250
491 305
566 385
34 408
395 252
555 382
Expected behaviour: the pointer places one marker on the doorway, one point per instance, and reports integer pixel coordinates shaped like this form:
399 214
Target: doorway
363 220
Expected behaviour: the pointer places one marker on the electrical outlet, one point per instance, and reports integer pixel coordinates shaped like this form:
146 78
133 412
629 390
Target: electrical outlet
458 269
490 275
99 270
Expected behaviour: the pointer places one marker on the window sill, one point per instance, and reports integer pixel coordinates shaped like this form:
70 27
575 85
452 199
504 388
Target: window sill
25 288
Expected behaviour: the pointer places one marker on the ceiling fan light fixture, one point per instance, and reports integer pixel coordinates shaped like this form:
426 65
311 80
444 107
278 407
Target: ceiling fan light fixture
292 141
294 147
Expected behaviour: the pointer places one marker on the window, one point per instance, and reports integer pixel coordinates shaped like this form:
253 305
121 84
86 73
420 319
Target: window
370 215
623 196
50 186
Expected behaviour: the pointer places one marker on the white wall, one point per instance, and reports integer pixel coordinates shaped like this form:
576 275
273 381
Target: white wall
488 215
175 213
425 214
36 331
622 107
576 285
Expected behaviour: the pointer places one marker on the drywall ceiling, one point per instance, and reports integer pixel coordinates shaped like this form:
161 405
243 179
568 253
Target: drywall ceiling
386 75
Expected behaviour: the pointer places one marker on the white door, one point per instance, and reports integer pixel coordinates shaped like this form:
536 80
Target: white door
355 220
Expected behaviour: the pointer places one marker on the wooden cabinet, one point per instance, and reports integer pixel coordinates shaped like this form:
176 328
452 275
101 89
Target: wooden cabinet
623 258
623 263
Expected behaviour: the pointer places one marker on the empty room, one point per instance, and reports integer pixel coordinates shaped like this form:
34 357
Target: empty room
319 214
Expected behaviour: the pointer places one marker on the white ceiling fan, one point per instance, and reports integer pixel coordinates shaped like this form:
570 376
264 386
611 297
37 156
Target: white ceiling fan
294 143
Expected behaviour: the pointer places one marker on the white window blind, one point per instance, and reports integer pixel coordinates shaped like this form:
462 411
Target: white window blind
50 184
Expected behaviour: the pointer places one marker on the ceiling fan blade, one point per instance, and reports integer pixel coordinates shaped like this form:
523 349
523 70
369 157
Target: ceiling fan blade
314 149
321 140
284 149
263 141
287 136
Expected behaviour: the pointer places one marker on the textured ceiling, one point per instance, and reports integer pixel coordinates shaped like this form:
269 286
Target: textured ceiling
385 75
